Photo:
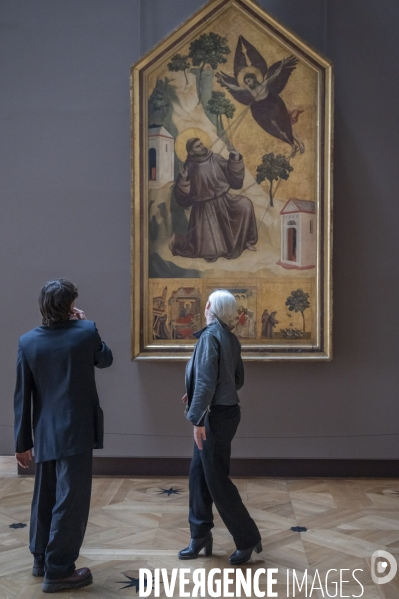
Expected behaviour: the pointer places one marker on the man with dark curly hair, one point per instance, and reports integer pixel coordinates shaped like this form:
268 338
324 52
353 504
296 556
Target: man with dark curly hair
57 412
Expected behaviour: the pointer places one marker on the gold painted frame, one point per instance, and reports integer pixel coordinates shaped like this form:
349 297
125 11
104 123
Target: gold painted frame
142 345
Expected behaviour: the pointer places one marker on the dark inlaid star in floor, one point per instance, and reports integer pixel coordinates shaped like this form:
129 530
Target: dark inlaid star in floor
18 525
298 529
133 582
170 491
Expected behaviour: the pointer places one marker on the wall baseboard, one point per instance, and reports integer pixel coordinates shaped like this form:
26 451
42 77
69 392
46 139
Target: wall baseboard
308 468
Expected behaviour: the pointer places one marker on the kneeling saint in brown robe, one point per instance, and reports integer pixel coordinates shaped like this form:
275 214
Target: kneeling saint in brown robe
220 224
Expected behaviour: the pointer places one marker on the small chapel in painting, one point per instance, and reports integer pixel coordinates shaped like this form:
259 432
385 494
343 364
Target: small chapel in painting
298 235
161 151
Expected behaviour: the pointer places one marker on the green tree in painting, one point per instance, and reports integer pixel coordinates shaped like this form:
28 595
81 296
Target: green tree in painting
209 48
298 301
179 62
162 96
159 100
273 168
220 105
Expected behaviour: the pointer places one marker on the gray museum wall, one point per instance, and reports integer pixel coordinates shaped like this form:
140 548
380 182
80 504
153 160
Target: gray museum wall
65 211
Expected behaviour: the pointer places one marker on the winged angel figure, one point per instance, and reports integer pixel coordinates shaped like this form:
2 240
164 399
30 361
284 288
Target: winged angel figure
258 87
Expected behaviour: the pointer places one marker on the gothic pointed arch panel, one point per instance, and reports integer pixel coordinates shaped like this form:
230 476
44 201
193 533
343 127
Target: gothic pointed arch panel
231 186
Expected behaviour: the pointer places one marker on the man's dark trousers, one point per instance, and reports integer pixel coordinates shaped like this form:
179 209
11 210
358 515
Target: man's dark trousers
56 404
210 482
60 510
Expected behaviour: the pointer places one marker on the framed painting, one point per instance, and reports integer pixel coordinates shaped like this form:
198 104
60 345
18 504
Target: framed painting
231 186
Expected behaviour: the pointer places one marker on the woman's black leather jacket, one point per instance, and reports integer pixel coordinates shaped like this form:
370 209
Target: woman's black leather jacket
214 372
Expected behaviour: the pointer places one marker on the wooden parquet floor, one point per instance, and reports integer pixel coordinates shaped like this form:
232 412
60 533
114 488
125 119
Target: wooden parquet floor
134 524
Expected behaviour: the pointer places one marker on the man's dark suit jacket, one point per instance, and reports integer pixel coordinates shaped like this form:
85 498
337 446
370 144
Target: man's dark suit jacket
55 392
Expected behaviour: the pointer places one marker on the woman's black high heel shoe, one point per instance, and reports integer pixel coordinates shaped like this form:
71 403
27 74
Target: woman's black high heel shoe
240 556
196 545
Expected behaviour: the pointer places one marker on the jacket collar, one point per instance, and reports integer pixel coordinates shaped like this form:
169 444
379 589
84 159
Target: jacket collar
216 322
60 324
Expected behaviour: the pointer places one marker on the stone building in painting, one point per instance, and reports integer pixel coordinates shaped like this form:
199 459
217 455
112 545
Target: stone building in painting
298 235
161 156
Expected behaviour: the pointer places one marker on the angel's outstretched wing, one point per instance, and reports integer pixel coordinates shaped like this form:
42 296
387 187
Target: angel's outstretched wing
255 59
277 86
240 94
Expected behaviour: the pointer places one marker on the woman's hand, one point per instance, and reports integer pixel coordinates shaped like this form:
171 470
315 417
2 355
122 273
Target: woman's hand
184 398
199 435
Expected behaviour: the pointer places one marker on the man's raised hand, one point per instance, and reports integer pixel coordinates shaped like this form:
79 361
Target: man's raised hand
77 314
183 171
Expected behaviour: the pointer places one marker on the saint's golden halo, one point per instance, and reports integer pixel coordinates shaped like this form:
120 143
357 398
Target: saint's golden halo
184 136
253 70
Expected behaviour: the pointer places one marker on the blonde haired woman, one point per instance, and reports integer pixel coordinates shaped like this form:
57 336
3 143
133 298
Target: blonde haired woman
213 375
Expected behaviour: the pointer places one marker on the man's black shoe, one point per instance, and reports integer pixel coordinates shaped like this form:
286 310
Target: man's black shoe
38 566
80 578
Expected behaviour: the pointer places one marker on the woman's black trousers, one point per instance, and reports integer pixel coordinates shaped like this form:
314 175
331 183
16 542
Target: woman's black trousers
210 482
